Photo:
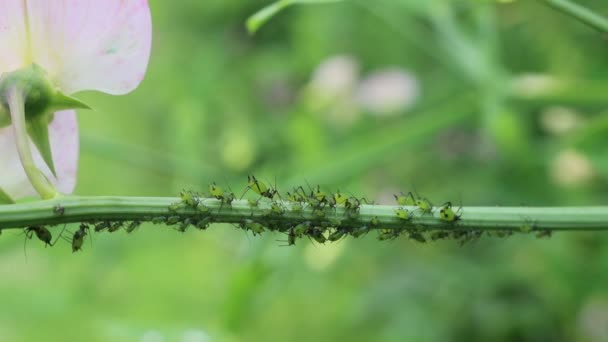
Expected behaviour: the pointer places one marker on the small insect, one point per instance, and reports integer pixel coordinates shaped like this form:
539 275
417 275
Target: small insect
447 214
318 213
359 231
340 198
259 188
275 210
204 223
405 199
189 198
301 229
159 219
424 205
131 227
388 234
402 214
78 238
100 226
374 222
291 238
545 233
255 227
59 210
42 233
115 226
173 220
417 236
317 235
527 227
174 207
336 235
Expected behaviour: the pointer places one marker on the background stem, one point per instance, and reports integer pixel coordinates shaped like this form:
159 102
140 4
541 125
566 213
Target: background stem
581 13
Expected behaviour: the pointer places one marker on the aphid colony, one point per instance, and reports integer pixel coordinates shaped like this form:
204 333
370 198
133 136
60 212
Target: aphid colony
310 212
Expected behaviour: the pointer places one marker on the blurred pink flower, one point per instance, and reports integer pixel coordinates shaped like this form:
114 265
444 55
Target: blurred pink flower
388 91
101 45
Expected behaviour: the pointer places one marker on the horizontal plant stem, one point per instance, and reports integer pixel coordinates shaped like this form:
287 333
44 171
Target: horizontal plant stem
155 209
580 13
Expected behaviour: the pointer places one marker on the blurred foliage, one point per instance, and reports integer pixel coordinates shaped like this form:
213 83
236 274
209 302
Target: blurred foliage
512 111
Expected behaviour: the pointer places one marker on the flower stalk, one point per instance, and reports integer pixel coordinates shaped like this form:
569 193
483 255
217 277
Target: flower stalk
16 105
123 211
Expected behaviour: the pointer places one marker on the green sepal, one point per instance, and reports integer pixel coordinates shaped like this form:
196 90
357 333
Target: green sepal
38 130
61 101
4 198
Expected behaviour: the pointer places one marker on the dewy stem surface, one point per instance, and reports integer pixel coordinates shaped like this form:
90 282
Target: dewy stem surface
155 209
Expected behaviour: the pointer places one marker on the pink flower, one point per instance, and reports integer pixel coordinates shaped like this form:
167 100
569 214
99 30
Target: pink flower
101 45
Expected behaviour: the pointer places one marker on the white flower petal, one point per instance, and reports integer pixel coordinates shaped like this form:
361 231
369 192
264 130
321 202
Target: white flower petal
63 133
99 45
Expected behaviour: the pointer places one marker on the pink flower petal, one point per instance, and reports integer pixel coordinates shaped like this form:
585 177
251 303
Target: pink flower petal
13 37
63 132
99 45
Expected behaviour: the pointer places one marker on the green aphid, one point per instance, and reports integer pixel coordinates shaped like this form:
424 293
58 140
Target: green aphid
359 231
260 188
102 226
335 222
447 213
374 222
402 214
183 226
42 233
189 198
527 227
216 191
253 203
159 219
174 207
173 220
545 233
388 234
256 228
202 209
319 194
115 226
439 235
424 205
317 235
405 199
275 210
78 238
296 207
291 238
204 223
319 213
301 229
336 235
299 195
132 226
417 236
340 198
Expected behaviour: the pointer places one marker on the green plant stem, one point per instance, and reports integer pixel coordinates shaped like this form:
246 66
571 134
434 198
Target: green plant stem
43 186
150 209
580 13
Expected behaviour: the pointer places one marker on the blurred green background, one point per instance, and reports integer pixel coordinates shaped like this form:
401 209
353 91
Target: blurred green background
471 101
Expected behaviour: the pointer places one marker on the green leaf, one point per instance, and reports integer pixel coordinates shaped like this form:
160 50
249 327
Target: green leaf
4 198
38 130
62 102
256 21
